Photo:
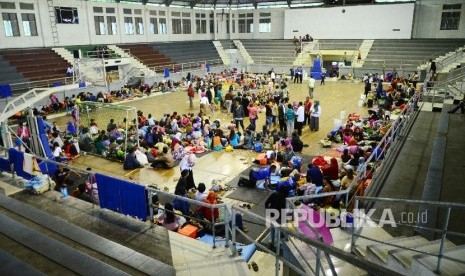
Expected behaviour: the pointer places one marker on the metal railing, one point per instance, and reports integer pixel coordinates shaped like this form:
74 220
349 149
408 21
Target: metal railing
438 53
20 87
378 155
444 231
286 237
183 67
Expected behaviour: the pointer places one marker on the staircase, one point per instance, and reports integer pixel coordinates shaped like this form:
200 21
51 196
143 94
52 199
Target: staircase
186 262
304 57
223 55
65 54
126 54
364 49
243 52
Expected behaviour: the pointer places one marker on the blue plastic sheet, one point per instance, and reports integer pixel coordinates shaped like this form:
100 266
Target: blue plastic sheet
17 158
122 196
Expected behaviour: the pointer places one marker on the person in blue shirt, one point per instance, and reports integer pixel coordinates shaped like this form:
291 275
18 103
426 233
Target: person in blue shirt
261 174
315 173
290 184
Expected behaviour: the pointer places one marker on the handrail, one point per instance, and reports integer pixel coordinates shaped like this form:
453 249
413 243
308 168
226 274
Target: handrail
436 54
336 252
386 140
413 202
40 83
186 65
444 231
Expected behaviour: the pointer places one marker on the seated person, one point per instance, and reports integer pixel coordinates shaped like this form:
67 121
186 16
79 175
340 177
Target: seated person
130 162
209 213
297 144
290 184
165 160
315 173
200 195
170 220
261 174
58 153
70 149
331 170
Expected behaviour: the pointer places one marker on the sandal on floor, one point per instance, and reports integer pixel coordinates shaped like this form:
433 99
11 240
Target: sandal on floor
255 266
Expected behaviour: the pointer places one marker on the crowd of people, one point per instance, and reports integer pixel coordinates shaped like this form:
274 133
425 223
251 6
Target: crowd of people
174 138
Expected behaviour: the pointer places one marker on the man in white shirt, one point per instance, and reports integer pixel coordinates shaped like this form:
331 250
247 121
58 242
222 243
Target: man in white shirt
311 86
300 116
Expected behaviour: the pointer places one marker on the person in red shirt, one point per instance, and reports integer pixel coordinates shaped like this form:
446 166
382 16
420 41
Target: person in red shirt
307 108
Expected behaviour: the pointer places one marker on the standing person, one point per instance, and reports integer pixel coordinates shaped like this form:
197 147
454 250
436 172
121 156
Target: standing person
253 114
187 163
238 114
273 76
301 74
359 57
290 117
292 73
315 114
432 67
75 115
276 203
204 103
228 98
300 114
307 108
191 94
323 76
282 116
311 86
415 80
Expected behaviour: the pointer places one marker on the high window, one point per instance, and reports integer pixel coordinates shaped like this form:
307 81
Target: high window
200 23
450 19
128 26
29 24
245 23
264 24
10 23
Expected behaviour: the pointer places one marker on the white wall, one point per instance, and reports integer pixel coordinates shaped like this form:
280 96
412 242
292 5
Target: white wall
84 33
357 22
427 20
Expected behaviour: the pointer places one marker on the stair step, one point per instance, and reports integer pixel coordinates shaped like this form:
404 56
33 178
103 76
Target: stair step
380 251
404 256
425 265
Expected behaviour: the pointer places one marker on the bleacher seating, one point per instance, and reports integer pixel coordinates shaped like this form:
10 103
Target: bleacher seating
149 56
9 74
340 44
188 51
37 64
407 54
271 51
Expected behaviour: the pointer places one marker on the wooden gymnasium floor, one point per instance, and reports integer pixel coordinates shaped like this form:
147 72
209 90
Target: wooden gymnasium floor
334 97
